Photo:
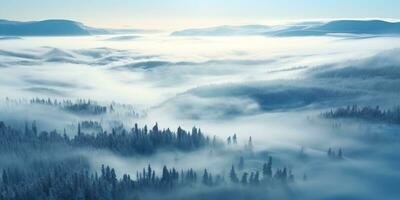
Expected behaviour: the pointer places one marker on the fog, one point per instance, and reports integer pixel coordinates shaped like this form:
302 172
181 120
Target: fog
273 89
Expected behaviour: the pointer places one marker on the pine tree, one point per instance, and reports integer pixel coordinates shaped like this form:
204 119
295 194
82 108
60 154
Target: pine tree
241 163
233 176
34 128
340 154
205 177
149 170
251 179
257 178
4 177
267 168
244 178
250 144
165 175
79 129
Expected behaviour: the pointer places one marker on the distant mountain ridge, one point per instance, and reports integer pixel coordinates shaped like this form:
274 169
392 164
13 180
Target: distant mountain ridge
371 27
42 28
224 30
53 27
61 27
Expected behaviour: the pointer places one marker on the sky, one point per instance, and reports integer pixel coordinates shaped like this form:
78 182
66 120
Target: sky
172 13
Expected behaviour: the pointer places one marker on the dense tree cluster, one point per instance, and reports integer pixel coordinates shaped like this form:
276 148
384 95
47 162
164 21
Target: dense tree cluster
91 126
374 114
72 179
44 166
268 177
122 141
144 141
81 106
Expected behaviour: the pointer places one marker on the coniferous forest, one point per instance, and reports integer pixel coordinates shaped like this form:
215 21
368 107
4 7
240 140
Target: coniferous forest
47 165
366 113
199 100
106 154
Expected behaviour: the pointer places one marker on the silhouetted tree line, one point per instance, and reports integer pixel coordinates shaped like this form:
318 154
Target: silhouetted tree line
81 106
68 176
335 155
267 178
374 114
232 140
124 142
91 126
48 180
72 179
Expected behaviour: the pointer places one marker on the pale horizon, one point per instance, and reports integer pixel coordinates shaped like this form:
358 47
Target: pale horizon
178 24
192 13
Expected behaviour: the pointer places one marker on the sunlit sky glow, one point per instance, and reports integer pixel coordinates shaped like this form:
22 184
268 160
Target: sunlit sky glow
179 13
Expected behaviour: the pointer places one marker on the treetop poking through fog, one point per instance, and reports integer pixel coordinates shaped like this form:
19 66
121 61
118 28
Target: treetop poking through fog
193 100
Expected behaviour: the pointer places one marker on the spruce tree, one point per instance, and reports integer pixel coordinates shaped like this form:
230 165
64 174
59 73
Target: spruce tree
233 176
